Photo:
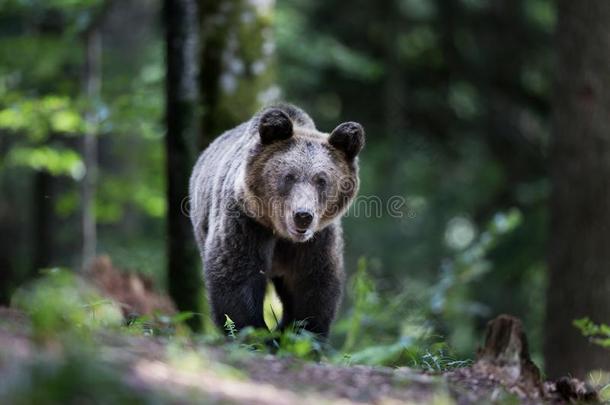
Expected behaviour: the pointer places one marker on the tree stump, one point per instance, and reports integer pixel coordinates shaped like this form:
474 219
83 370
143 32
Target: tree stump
506 357
505 360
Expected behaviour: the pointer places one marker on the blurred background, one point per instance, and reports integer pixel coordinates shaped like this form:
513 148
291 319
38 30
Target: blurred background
455 96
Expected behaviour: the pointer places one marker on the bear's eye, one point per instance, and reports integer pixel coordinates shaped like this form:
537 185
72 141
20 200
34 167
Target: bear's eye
286 182
289 178
321 182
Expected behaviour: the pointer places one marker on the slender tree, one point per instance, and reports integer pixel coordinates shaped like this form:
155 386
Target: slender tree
182 30
42 215
91 88
236 63
214 36
9 236
394 90
579 255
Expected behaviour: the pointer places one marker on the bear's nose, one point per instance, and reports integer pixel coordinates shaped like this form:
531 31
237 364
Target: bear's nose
302 219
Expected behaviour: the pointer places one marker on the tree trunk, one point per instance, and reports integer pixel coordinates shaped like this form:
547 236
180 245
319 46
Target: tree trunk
236 63
184 275
394 92
42 215
213 38
91 88
10 228
579 255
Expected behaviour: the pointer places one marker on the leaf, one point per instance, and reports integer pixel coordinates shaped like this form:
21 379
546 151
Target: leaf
53 160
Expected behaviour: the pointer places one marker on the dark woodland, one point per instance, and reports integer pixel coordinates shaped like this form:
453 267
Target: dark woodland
477 253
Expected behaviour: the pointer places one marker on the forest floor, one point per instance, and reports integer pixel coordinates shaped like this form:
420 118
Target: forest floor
69 343
120 368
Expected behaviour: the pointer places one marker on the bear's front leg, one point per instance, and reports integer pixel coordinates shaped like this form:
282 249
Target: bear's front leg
236 260
312 280
316 300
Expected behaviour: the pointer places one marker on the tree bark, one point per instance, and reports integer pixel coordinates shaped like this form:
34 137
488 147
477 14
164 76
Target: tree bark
10 228
184 276
236 63
394 92
214 35
579 250
42 215
91 88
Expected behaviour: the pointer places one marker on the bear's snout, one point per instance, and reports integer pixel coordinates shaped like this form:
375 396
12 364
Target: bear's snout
302 220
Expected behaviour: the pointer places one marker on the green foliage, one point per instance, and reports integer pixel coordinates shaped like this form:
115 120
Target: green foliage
42 111
292 342
67 318
33 121
425 322
272 307
298 342
160 325
380 331
39 117
55 161
451 296
457 127
596 333
230 327
435 357
245 81
600 380
448 116
319 51
60 302
541 13
365 298
118 194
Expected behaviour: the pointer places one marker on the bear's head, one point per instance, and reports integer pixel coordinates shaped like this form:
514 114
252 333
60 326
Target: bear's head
299 180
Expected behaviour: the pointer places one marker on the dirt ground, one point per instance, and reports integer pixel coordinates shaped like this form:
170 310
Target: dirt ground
195 373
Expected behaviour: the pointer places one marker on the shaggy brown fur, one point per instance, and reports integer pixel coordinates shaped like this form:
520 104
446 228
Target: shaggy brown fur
266 202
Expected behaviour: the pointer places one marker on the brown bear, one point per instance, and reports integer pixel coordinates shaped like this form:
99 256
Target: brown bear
266 203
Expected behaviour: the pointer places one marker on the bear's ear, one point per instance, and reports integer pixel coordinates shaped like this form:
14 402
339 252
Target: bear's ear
274 125
348 138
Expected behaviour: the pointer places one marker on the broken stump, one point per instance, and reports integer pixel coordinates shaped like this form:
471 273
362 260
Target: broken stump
505 359
505 355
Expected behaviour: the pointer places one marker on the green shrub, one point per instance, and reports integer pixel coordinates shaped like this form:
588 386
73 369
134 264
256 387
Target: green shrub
60 302
597 333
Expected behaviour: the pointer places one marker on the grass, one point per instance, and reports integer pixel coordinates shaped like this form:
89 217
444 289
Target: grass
66 317
60 303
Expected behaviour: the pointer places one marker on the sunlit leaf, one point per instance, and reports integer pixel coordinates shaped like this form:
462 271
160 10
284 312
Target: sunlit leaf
55 161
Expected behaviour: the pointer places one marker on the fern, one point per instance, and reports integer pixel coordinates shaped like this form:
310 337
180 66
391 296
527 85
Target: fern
230 327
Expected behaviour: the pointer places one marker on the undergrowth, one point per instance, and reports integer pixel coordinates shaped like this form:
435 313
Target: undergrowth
70 324
62 307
